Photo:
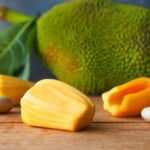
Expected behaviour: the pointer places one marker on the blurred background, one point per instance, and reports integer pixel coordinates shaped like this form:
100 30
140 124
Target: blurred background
32 7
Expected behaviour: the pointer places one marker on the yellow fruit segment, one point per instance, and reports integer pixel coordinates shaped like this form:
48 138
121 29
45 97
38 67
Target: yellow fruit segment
13 88
128 99
55 104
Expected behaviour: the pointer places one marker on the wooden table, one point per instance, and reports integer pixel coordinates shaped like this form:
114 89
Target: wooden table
106 132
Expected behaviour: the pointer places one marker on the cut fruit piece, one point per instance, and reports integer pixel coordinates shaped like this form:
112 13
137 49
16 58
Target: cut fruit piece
13 88
128 99
54 104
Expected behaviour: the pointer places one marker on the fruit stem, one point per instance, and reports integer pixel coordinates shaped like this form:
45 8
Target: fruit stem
7 14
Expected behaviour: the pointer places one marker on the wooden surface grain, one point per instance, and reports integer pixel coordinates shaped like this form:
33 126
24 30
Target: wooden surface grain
106 132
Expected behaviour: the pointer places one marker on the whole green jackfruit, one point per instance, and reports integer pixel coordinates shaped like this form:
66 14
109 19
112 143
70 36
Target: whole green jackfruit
95 44
92 44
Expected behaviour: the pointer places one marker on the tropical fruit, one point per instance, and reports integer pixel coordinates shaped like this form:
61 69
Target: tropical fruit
13 88
128 99
93 45
54 104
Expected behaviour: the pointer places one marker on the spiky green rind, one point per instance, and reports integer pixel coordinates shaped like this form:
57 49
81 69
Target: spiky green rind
95 44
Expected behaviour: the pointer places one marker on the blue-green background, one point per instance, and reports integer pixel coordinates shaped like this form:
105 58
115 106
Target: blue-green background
31 7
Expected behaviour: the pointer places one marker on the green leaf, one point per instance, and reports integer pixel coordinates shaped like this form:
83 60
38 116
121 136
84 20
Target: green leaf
16 43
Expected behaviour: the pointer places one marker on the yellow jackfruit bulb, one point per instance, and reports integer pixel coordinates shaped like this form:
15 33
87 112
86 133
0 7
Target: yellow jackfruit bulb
54 104
13 88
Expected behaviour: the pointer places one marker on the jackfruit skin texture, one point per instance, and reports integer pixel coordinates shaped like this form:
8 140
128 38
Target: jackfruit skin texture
95 45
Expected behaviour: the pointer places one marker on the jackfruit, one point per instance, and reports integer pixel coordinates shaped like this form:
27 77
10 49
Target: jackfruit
54 104
13 88
95 45
128 99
